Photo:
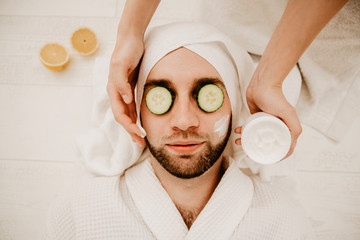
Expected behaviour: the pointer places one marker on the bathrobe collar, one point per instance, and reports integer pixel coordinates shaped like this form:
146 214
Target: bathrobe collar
219 218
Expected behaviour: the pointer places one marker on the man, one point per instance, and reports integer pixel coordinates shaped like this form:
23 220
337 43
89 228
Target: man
189 185
186 153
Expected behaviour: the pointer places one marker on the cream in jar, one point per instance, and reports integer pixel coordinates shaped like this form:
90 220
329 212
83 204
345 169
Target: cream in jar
265 138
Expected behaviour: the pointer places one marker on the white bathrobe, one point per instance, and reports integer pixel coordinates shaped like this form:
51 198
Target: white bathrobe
136 206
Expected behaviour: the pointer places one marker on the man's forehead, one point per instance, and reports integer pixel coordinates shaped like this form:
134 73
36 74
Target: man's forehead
183 63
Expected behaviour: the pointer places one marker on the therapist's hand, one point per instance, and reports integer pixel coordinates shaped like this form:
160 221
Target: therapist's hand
124 63
122 79
269 98
300 23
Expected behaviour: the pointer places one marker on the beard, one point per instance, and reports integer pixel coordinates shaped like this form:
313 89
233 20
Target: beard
188 166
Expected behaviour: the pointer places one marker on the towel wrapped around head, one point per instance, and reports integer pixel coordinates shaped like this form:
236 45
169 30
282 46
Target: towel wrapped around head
233 64
109 150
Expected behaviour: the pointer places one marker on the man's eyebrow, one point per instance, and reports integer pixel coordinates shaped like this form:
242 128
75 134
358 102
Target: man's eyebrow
204 81
158 82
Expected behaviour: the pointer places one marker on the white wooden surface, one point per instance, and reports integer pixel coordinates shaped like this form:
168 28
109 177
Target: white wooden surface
42 112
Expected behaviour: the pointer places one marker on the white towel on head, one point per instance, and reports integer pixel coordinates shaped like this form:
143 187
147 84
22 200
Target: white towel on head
234 65
108 149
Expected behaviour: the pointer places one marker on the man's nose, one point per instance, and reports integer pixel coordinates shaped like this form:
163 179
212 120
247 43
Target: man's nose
184 115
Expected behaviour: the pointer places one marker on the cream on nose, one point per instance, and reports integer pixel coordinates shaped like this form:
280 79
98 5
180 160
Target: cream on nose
184 114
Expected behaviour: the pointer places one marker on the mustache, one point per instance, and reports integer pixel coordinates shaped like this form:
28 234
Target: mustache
185 135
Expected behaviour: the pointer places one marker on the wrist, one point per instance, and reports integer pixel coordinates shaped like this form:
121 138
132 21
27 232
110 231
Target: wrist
131 30
131 22
268 75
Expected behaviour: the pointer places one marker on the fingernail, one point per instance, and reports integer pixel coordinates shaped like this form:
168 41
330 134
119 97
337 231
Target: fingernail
143 132
126 99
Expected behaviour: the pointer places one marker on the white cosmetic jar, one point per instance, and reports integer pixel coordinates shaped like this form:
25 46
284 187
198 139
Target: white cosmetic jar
265 138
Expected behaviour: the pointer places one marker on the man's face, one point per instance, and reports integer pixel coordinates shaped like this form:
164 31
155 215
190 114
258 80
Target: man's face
186 140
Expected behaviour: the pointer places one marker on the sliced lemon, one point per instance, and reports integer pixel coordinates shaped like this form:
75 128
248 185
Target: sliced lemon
54 56
84 41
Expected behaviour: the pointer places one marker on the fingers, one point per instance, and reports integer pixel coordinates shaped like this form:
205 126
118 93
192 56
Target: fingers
131 127
253 108
238 131
124 66
119 81
136 134
291 150
125 94
139 140
292 121
125 114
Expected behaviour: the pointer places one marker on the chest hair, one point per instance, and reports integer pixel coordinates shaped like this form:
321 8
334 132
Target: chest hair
189 215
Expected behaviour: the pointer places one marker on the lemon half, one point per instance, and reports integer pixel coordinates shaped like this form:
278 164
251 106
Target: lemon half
54 56
84 41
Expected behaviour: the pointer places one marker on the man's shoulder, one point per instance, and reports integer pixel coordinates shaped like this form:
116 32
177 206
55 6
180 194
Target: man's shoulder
87 201
100 184
268 192
98 208
99 187
86 192
274 196
274 211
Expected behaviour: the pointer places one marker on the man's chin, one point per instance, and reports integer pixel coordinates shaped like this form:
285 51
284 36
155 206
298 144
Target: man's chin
186 166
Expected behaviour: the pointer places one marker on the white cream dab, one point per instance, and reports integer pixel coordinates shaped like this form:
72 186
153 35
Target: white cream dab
222 125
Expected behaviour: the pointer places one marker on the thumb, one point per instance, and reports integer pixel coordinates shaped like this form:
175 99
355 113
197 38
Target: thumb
290 118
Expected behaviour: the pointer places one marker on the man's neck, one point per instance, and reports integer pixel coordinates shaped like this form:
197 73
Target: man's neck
190 195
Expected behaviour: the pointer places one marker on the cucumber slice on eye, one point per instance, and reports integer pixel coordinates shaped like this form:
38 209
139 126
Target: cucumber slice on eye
210 98
159 100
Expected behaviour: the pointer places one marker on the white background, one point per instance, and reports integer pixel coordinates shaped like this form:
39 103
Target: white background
42 113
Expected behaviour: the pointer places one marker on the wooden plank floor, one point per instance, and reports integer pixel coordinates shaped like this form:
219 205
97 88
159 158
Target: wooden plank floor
42 113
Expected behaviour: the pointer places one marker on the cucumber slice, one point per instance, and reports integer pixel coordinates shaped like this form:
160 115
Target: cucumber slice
159 100
210 98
